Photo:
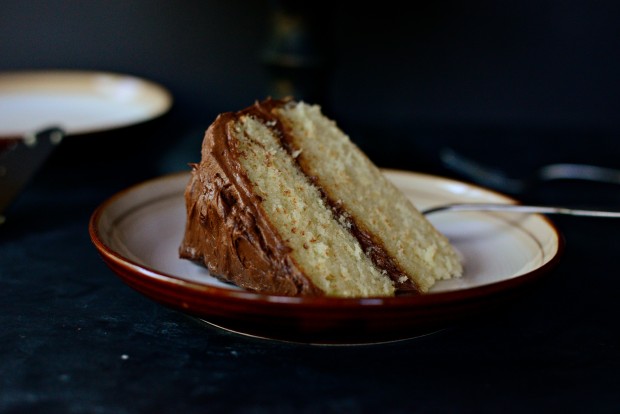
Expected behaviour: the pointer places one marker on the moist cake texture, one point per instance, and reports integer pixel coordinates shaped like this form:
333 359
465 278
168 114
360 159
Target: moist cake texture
283 202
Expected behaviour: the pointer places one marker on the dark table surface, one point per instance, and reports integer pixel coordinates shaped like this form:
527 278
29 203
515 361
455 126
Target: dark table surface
75 339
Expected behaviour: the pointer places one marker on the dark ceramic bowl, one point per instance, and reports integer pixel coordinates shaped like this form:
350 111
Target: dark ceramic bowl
39 109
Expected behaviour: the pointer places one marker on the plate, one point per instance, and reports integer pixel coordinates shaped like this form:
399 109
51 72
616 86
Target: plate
138 231
79 102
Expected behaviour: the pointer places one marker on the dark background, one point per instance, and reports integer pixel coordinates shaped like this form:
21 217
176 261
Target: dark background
499 74
513 84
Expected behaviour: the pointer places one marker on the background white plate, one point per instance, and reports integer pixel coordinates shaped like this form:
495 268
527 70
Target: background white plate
77 101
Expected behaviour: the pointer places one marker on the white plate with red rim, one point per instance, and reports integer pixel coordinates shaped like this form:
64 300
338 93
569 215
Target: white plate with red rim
138 231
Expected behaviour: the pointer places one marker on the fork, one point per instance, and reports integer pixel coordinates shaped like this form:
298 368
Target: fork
496 179
520 208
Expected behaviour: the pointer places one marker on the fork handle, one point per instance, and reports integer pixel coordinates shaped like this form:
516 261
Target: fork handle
520 208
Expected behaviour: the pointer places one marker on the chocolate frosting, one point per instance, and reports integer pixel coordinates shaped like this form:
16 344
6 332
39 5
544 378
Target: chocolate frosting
228 231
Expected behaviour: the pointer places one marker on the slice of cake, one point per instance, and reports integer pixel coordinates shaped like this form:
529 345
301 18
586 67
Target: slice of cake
282 202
